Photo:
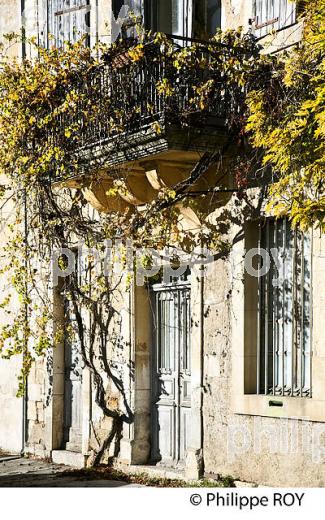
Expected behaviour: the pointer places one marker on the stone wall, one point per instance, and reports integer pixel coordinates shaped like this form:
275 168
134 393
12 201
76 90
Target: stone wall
285 448
11 425
10 23
38 402
10 406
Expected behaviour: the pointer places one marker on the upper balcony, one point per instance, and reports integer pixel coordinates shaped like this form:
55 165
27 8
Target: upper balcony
147 106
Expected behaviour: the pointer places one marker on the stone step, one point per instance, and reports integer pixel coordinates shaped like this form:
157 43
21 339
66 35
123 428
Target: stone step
152 471
69 458
6 458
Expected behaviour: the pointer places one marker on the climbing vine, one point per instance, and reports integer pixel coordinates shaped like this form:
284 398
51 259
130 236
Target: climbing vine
287 121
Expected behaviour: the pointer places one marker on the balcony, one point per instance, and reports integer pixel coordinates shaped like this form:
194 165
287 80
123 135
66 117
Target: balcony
133 119
154 135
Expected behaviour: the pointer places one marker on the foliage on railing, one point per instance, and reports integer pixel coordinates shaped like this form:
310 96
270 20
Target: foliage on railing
152 82
68 98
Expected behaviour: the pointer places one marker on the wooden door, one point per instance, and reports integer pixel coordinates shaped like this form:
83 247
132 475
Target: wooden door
72 393
171 374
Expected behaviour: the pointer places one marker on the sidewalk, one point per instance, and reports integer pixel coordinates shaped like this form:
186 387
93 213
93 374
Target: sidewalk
22 472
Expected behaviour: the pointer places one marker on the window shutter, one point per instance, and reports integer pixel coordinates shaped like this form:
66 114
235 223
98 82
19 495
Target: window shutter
68 20
273 14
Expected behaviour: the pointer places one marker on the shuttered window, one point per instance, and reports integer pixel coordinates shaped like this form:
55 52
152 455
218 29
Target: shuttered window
273 14
69 20
284 342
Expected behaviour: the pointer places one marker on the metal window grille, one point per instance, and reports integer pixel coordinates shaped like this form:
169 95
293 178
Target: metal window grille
173 322
68 20
273 14
284 331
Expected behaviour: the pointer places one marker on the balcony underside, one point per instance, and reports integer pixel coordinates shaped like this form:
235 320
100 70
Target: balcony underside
146 143
147 163
143 173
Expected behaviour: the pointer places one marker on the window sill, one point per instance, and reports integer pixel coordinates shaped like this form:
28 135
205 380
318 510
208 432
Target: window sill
304 408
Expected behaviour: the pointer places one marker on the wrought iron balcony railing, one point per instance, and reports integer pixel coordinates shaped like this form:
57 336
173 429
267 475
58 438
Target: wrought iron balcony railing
129 104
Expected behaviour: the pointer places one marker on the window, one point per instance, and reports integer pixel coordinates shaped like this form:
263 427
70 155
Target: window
170 16
136 6
207 18
69 20
185 18
122 11
284 311
273 14
213 16
200 18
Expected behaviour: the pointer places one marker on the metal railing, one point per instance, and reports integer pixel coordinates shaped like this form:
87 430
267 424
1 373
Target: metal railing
126 100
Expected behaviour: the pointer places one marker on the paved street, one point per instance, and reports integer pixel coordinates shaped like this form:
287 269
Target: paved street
19 472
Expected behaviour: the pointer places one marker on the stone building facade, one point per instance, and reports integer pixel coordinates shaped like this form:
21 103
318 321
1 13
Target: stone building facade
213 398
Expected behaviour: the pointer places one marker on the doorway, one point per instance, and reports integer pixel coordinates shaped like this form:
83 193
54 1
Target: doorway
72 434
73 370
171 373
